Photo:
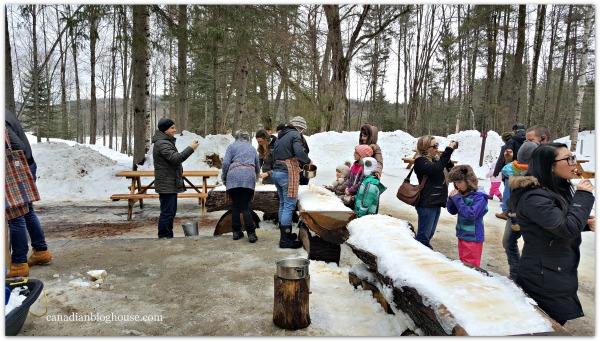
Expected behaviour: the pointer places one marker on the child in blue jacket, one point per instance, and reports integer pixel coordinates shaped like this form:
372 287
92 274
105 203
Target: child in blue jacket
471 205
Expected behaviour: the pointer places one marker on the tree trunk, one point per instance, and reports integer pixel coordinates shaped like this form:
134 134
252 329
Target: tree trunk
140 61
241 95
557 114
9 90
113 77
93 107
518 65
460 58
64 122
588 10
124 61
78 113
182 83
554 21
504 121
36 75
534 65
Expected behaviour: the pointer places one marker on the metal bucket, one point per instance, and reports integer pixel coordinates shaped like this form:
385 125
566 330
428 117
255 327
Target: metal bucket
292 268
309 170
190 228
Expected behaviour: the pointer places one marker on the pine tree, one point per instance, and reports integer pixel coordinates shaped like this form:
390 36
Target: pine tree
49 126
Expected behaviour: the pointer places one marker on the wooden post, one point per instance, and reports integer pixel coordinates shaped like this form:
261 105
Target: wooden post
291 309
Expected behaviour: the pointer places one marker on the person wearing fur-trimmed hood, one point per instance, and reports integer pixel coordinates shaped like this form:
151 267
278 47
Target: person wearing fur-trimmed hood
552 217
368 136
471 205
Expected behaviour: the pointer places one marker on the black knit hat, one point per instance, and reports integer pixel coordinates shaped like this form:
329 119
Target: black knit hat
280 127
164 124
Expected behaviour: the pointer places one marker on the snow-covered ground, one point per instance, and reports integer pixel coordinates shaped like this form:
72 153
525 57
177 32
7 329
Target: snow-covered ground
70 172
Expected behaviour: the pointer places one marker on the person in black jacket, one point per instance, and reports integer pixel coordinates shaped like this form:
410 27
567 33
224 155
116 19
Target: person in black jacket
288 153
428 162
510 149
266 144
168 173
552 216
29 222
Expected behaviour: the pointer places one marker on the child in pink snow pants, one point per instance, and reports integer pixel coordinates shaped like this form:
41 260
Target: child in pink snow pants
471 205
495 181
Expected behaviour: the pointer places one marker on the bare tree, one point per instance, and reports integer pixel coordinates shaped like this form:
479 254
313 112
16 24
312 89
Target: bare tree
536 56
587 10
558 117
182 82
9 90
518 65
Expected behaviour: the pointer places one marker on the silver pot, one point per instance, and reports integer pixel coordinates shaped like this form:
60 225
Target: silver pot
292 268
309 171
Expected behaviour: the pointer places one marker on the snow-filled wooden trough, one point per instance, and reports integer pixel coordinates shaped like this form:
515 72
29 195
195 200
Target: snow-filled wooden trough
441 296
323 225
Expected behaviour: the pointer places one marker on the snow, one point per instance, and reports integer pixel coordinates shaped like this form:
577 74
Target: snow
71 172
483 306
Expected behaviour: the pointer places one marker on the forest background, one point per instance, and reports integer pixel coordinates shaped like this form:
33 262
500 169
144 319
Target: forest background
84 72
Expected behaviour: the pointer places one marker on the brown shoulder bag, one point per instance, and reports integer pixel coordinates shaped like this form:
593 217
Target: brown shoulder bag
409 193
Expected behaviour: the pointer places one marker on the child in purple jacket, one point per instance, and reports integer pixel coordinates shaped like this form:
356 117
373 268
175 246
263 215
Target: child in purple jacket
471 205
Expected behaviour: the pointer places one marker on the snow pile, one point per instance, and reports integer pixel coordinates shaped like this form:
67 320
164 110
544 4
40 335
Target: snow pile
316 198
483 306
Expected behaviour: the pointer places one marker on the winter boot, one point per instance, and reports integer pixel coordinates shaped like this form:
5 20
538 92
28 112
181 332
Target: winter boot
18 270
237 233
285 239
39 258
252 238
500 198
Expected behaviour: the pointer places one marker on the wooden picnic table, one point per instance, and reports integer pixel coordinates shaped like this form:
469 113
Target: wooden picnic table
583 173
410 161
139 192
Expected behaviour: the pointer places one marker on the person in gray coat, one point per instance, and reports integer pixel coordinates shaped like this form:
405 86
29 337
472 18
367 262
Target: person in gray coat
168 173
239 173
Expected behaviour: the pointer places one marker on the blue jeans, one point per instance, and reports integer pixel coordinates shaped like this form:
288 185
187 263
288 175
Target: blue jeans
428 220
18 239
505 195
168 209
287 205
509 242
34 227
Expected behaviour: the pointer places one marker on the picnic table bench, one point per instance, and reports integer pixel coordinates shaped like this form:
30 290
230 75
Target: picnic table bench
139 192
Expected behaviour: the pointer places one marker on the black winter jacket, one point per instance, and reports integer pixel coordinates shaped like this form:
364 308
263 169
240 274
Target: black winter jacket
168 171
288 145
548 267
435 192
514 143
18 139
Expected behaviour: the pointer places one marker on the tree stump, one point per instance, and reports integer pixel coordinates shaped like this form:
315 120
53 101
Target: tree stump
291 309
224 224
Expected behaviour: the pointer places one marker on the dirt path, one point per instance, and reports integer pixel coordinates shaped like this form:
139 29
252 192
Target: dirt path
154 277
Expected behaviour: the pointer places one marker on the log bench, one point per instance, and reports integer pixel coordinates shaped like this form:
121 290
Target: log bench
132 198
441 296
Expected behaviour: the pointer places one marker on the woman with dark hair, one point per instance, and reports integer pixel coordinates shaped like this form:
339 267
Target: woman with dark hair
239 174
266 144
428 162
551 216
